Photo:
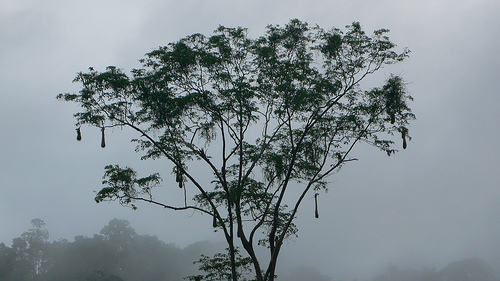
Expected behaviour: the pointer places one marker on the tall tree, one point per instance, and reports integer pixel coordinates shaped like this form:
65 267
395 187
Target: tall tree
271 118
27 259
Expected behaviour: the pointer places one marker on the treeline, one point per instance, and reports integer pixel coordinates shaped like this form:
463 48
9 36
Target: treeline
471 269
118 253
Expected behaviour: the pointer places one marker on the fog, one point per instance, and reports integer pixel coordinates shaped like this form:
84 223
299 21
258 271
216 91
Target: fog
433 204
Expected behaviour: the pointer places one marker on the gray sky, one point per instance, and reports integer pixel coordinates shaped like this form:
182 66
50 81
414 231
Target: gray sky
434 203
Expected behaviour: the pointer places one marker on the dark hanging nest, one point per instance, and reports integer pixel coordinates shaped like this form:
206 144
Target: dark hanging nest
78 134
178 177
214 221
404 132
316 213
103 141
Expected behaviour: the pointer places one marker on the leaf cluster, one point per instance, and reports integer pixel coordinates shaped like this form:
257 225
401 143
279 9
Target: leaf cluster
123 185
218 267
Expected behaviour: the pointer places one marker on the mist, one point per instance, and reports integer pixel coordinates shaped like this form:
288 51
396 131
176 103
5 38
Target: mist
117 252
427 207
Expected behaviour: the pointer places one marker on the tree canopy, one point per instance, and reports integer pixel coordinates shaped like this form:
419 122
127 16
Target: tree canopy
271 118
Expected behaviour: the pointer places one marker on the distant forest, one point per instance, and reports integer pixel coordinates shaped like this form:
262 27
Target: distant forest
118 253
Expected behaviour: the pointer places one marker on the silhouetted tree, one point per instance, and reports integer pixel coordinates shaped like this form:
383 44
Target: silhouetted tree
302 273
471 269
271 119
152 258
99 275
394 273
27 259
8 262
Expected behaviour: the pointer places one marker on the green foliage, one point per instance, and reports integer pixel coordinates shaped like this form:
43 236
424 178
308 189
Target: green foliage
123 185
218 267
282 112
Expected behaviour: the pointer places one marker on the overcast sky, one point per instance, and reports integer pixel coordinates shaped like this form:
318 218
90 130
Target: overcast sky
436 202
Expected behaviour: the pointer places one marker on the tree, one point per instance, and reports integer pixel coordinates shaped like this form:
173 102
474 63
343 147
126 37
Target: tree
467 270
394 273
302 273
7 262
119 234
270 118
218 267
36 239
27 258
